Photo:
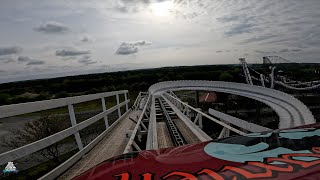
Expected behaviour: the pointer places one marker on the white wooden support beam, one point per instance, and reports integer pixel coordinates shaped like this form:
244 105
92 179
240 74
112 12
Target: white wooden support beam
152 138
238 122
202 136
200 121
126 98
118 102
144 126
146 114
196 119
104 108
139 134
135 145
137 101
184 110
224 133
209 117
74 123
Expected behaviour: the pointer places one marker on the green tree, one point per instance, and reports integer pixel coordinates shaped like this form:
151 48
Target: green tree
4 99
225 77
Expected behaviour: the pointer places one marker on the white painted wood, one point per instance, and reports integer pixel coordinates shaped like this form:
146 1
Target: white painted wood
119 111
238 122
23 108
56 172
104 108
125 99
224 133
135 145
290 110
74 123
205 115
45 142
135 130
202 136
152 137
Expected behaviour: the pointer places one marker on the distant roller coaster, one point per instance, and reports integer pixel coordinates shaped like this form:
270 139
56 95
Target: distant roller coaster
278 80
275 60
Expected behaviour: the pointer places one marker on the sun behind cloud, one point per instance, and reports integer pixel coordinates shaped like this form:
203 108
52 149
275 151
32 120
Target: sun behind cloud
161 9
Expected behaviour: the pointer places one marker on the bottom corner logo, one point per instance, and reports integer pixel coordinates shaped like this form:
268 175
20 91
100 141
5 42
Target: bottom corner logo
10 168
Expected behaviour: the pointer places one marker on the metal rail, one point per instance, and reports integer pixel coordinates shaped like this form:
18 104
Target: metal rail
174 133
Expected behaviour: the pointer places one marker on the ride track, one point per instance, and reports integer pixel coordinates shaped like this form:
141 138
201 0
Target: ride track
290 110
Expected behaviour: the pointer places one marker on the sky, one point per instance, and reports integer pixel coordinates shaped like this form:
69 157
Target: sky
45 38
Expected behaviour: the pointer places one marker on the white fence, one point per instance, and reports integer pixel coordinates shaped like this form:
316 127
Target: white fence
23 108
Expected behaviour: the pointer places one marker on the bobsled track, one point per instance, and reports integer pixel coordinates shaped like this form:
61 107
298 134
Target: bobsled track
157 119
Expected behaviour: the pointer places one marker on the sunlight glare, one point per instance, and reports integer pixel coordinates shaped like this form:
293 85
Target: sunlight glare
161 8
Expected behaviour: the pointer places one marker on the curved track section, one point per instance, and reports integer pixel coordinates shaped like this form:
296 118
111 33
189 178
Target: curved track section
290 110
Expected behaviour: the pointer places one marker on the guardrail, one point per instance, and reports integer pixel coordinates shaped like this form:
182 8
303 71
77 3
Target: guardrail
138 100
251 127
18 109
131 141
186 109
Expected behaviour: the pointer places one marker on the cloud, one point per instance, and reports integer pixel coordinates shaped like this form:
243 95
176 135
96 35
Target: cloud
240 29
6 60
127 48
86 60
289 50
262 52
259 38
219 51
296 50
52 28
228 18
140 43
71 52
284 50
30 61
85 39
241 23
35 62
9 50
24 59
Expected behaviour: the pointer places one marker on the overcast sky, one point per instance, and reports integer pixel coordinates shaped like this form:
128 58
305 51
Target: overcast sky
48 38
